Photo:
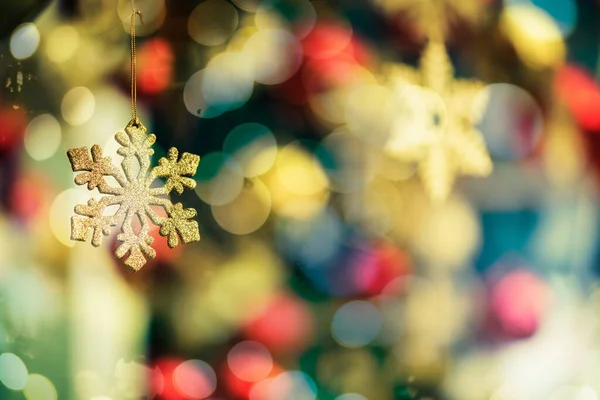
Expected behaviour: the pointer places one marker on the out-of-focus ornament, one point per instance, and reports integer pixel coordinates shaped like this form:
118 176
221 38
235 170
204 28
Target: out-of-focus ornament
134 194
436 14
437 130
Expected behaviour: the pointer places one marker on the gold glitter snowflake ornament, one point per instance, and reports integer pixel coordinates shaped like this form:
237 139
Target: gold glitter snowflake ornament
134 195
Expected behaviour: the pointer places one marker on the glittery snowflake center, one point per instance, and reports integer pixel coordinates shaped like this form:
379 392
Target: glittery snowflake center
135 196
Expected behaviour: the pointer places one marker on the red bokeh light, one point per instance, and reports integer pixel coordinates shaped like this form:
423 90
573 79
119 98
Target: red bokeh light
327 41
30 197
286 325
161 380
13 123
519 300
376 268
155 71
239 388
581 94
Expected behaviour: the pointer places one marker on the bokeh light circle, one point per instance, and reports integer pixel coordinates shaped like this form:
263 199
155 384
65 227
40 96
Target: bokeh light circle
42 137
248 212
228 82
194 99
299 16
356 324
353 163
24 41
436 239
13 372
299 171
534 34
195 379
39 388
313 241
213 22
250 361
61 212
273 56
78 106
511 121
292 385
219 180
253 146
62 43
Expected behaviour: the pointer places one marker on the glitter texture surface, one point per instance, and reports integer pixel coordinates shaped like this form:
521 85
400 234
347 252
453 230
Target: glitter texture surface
134 195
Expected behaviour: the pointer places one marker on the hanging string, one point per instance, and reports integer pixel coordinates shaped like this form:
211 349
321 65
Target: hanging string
134 118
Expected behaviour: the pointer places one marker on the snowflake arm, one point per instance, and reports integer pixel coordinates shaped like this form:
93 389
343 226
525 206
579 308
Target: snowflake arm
96 167
176 172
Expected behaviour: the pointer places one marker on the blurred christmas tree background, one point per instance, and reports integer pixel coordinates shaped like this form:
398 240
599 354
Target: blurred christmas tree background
397 200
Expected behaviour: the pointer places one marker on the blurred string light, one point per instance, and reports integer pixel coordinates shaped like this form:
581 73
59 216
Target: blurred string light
78 106
243 388
286 325
250 361
243 286
273 56
219 180
268 54
24 41
247 212
563 12
512 123
42 137
351 165
60 211
39 388
253 147
155 60
356 324
194 379
581 93
297 16
132 378
62 43
13 372
519 301
213 22
314 241
435 242
534 34
298 184
290 385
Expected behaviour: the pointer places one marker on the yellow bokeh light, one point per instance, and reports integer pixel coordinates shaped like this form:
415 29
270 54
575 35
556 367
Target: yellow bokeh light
535 35
299 172
62 43
213 22
248 212
61 211
39 388
78 106
42 137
